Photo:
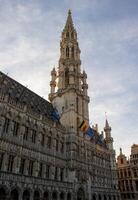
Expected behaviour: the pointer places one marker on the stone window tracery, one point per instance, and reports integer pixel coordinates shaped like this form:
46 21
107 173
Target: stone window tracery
56 173
33 139
42 139
15 128
57 143
47 171
40 169
67 34
22 165
30 168
25 136
66 77
61 174
10 163
49 142
6 125
62 147
67 52
72 52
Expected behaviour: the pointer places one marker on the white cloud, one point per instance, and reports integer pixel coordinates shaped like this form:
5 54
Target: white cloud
29 49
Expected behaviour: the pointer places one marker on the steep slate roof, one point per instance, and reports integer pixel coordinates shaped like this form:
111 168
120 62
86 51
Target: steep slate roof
23 95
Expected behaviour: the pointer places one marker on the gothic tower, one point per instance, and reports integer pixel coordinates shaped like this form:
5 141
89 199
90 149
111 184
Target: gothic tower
109 143
71 98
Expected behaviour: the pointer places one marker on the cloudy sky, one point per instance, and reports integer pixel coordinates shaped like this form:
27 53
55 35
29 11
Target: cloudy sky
30 32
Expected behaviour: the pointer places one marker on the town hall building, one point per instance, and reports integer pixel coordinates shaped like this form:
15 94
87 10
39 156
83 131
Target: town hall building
48 157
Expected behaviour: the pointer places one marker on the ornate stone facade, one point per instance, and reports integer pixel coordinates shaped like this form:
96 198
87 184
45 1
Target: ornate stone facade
50 160
128 174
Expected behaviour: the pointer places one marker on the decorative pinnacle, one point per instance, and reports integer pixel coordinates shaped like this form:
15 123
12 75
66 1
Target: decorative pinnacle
69 12
106 123
120 151
107 127
69 22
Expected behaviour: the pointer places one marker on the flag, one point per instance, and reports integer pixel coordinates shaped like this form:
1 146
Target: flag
100 139
86 129
90 132
55 115
84 126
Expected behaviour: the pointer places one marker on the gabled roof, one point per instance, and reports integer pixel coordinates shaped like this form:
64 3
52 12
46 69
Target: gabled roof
23 95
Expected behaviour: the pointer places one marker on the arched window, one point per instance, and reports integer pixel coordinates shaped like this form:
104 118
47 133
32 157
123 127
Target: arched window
72 35
36 195
49 142
66 77
56 173
94 197
57 143
62 147
61 196
72 52
105 197
67 34
2 194
46 195
14 195
100 198
67 52
122 161
61 174
69 196
26 195
54 196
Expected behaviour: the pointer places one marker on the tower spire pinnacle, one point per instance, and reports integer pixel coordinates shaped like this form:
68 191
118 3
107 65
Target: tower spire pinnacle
69 22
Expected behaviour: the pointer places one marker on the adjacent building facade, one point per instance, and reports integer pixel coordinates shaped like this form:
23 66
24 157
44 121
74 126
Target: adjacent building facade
41 158
128 174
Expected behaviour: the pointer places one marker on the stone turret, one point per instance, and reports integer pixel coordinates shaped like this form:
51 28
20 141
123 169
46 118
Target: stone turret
52 83
108 138
109 143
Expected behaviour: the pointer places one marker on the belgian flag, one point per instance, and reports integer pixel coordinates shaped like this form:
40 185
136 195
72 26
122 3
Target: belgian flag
85 128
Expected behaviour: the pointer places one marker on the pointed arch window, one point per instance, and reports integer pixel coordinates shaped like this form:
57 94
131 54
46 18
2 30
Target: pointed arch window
49 142
72 52
72 35
10 163
66 77
67 34
15 128
57 143
6 125
67 52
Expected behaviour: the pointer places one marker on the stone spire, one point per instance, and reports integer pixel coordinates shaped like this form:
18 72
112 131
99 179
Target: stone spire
107 124
109 139
69 23
71 98
120 151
